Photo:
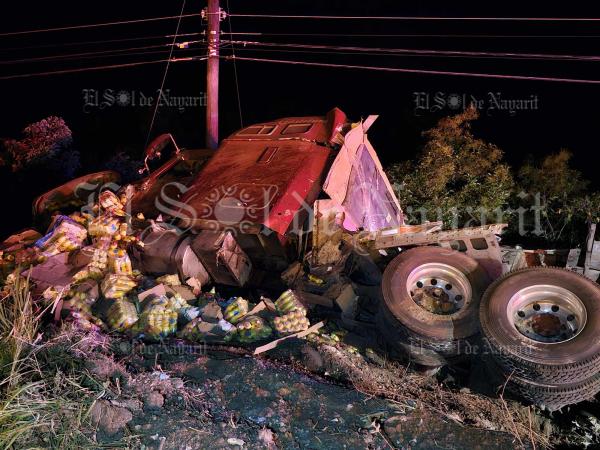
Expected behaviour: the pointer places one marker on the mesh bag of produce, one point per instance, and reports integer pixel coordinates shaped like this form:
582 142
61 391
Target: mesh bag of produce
110 202
104 225
117 285
65 235
119 262
288 302
158 320
236 310
252 328
292 322
121 315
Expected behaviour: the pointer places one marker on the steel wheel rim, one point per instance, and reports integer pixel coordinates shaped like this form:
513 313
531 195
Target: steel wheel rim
446 289
547 313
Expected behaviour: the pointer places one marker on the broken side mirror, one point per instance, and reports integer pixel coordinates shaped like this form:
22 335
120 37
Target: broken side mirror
155 149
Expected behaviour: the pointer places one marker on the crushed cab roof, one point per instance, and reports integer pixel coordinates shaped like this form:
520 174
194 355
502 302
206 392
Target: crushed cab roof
263 175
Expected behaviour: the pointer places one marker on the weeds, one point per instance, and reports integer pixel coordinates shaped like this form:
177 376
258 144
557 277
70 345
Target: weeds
18 333
396 384
44 401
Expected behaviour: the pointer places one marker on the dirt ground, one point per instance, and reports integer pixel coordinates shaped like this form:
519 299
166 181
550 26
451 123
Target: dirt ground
184 397
177 395
305 394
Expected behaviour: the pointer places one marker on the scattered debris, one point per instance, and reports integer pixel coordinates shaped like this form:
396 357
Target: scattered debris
121 265
98 286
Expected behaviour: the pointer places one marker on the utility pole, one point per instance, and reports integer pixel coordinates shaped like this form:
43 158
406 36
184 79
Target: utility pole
213 16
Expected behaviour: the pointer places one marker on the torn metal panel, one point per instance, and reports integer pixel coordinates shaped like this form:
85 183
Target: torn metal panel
513 259
358 183
337 122
573 260
222 257
231 255
590 265
189 265
587 261
592 254
429 233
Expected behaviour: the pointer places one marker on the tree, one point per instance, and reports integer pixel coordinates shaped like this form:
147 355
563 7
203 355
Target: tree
47 142
560 195
456 177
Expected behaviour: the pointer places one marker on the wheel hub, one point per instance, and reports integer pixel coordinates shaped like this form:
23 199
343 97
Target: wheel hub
546 313
546 325
439 288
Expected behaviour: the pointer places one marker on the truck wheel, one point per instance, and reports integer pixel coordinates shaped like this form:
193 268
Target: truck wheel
543 324
554 396
423 352
550 396
431 299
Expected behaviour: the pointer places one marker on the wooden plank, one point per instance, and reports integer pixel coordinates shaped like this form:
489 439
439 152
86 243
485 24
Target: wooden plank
271 345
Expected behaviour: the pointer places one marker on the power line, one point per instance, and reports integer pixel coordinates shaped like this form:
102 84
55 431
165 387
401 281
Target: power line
425 52
162 84
374 51
120 55
106 67
385 35
421 71
423 18
235 74
83 55
346 53
96 25
105 41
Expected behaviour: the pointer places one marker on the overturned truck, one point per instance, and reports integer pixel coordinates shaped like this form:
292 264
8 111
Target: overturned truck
302 196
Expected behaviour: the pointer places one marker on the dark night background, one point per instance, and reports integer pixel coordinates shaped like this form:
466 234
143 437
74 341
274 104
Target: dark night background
567 114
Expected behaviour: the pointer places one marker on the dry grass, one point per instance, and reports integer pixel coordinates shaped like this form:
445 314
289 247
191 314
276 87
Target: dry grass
44 403
18 333
397 384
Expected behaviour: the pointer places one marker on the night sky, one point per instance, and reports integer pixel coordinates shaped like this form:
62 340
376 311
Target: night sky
565 115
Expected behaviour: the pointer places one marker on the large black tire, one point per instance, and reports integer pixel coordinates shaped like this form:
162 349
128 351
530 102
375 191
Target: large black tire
570 361
548 395
417 349
554 396
429 339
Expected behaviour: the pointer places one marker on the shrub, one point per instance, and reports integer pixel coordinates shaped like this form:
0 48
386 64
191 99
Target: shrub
456 178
